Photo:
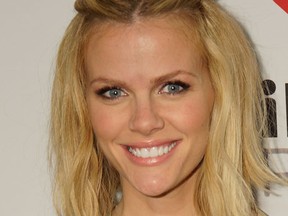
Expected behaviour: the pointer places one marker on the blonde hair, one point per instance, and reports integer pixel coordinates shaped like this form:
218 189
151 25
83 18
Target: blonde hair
85 184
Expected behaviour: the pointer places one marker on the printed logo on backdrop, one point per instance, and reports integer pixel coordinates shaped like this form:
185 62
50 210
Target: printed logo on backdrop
283 4
269 88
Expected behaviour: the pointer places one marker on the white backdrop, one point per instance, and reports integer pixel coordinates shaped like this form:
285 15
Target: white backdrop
267 24
30 33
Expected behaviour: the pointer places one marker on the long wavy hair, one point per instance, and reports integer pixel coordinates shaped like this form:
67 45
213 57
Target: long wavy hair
234 164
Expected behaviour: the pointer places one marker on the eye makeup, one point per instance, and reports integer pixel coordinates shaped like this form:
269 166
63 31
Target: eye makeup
111 92
174 87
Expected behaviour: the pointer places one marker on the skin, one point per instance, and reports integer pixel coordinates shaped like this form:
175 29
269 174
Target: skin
141 60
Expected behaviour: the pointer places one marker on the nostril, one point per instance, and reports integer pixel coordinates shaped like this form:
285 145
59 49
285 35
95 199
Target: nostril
145 119
146 123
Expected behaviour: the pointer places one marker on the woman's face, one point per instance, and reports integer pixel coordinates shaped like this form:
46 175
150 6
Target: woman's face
150 100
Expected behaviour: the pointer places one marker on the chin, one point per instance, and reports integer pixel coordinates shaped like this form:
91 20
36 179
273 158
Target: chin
155 187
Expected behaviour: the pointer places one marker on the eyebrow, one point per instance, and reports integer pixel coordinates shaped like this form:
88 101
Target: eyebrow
107 80
159 79
168 76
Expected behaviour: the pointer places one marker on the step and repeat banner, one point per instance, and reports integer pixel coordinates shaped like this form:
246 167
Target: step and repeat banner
266 22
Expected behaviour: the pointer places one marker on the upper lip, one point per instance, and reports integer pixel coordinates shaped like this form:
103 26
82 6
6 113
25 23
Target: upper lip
150 143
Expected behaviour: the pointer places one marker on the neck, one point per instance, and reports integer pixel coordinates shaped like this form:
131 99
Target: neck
179 201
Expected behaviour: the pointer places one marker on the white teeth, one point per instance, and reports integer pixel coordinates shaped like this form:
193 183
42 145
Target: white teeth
161 151
138 152
151 152
166 150
144 153
154 152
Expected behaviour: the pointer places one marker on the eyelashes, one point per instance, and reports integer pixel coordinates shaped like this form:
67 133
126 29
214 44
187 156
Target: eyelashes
111 93
169 88
174 87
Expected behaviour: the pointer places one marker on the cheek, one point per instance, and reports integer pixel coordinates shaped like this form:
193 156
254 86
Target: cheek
192 116
105 122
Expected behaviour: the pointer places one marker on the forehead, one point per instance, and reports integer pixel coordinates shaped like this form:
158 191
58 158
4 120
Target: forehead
161 44
172 25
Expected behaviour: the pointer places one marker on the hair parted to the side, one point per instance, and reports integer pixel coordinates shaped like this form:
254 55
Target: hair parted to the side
234 164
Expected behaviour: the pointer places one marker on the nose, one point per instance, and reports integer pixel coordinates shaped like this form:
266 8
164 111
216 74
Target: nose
145 118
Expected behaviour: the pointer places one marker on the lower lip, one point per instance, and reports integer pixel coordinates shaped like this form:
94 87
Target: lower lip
154 161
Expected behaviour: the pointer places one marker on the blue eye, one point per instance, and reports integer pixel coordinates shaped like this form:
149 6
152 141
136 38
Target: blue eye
111 92
174 87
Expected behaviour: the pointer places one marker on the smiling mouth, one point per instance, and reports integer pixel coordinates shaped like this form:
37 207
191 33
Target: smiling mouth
152 152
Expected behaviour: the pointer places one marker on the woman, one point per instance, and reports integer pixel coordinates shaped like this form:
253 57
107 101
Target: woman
159 102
